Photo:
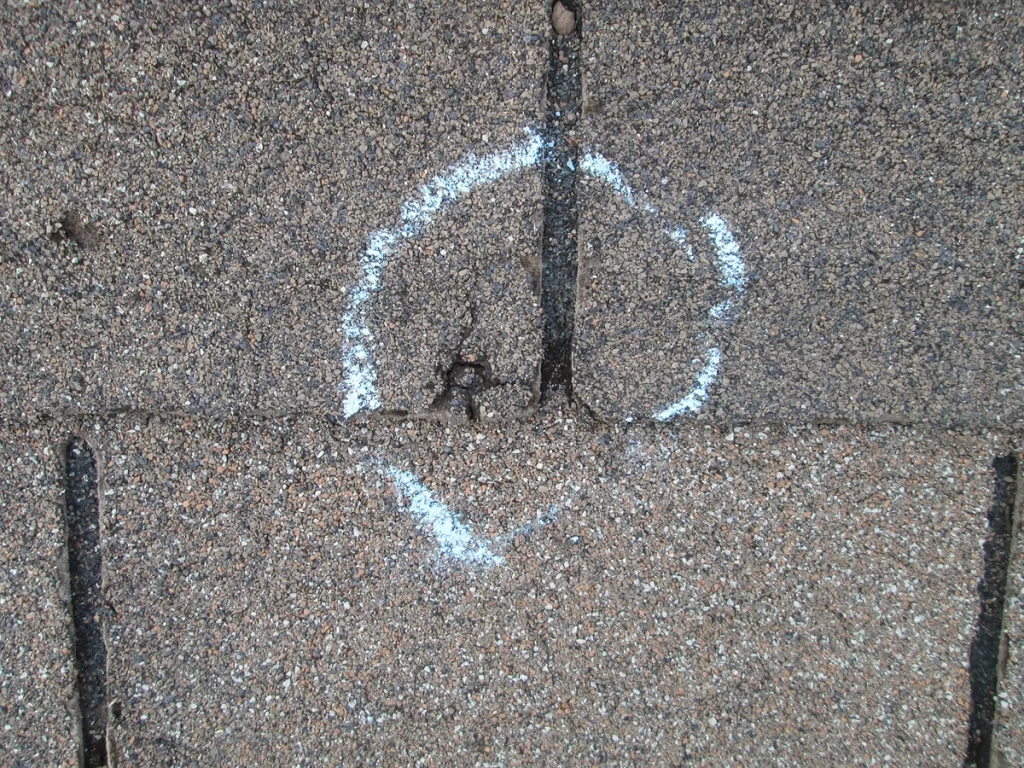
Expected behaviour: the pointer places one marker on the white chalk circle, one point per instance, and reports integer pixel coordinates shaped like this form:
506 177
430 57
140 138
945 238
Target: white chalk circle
359 384
417 213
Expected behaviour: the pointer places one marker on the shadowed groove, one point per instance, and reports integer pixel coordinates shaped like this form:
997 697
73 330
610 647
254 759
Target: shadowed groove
559 250
85 566
986 648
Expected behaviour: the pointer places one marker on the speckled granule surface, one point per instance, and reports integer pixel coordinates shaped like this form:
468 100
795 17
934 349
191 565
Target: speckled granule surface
867 158
192 197
38 716
757 597
234 164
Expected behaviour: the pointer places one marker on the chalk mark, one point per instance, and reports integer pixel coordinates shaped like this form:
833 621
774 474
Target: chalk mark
454 538
730 267
417 213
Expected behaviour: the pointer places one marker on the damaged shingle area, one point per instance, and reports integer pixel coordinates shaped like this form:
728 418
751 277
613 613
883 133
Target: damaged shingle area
75 228
467 374
463 379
